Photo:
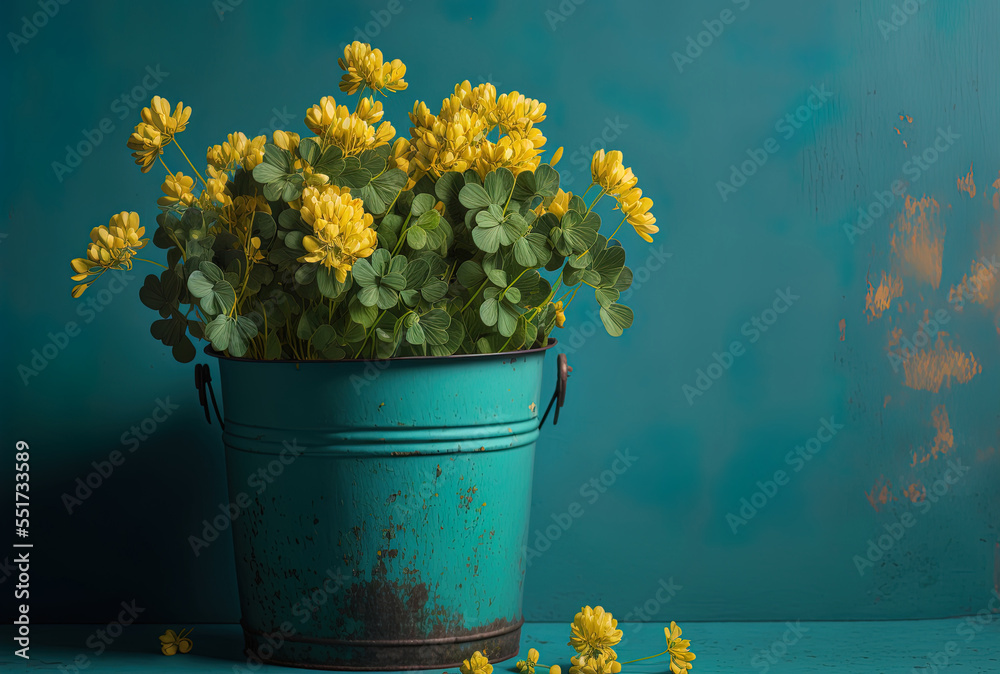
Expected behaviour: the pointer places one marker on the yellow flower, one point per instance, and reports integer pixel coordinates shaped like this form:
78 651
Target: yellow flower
352 132
555 669
595 631
172 643
217 189
514 112
680 655
111 247
286 140
608 171
342 230
176 189
557 206
516 154
528 666
561 320
477 664
556 156
169 124
402 155
595 664
364 66
148 144
239 218
237 150
636 209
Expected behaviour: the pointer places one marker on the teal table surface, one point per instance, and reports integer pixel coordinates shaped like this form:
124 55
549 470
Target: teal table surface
955 646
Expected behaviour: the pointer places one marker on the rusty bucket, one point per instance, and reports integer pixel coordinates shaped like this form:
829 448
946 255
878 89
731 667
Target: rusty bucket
382 505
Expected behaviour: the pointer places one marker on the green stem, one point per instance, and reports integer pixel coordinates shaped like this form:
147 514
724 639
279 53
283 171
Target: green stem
402 233
142 259
617 228
594 202
189 163
650 657
370 333
475 295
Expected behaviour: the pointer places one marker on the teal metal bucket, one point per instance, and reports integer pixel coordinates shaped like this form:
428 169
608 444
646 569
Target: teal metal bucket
382 506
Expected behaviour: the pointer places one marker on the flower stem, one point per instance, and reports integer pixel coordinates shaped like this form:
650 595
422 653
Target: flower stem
189 162
617 228
160 157
648 657
142 259
475 295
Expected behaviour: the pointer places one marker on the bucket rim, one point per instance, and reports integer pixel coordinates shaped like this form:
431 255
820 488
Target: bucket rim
552 341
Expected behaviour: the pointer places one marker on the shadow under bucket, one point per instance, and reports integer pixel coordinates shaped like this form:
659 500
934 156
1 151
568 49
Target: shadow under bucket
383 505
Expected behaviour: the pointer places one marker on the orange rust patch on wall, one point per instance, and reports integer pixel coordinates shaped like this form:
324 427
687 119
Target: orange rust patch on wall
918 241
916 492
928 370
878 299
978 286
885 403
881 493
843 329
944 439
967 184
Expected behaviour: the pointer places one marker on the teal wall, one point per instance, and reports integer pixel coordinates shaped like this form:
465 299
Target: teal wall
653 469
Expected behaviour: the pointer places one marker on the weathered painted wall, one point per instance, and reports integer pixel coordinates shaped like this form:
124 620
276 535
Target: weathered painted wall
771 315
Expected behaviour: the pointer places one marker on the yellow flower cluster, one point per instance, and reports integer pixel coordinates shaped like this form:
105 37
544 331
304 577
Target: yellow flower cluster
679 649
594 632
342 230
364 67
238 150
111 247
608 172
352 132
477 664
177 189
456 139
559 204
158 127
594 664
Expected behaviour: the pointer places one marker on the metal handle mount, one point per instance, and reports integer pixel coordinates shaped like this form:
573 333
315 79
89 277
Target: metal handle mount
559 395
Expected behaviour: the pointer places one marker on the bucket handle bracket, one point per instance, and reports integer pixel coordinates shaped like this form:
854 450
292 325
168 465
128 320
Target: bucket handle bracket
203 380
559 395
